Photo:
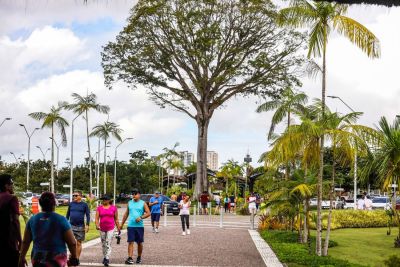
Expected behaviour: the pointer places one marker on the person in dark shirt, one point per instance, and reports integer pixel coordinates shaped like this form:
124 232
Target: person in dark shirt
204 199
50 233
10 233
76 213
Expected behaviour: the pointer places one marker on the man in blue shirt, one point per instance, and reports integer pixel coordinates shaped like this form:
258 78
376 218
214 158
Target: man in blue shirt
137 211
77 210
155 204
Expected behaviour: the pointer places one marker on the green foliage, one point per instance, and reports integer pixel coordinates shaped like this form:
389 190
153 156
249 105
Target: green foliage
392 261
355 219
285 246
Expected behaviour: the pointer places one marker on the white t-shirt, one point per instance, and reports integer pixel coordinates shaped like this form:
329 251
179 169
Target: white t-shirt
368 204
217 199
252 202
360 204
185 208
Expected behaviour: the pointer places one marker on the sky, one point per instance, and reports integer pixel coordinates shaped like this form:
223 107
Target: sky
50 49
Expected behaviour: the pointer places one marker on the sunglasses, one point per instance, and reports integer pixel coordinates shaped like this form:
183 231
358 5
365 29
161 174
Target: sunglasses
75 195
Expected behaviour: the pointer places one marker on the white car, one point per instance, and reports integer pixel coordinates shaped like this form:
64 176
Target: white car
313 202
327 203
349 204
381 203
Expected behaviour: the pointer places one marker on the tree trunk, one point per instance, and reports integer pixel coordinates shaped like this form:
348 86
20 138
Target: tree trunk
52 158
305 230
331 195
105 166
287 168
318 246
90 155
201 173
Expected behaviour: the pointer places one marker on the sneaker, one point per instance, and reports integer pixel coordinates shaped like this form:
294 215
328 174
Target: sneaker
78 263
183 233
129 261
157 230
188 232
106 262
154 230
139 260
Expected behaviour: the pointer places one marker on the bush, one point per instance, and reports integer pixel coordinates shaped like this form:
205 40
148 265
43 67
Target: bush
393 261
285 246
267 221
355 219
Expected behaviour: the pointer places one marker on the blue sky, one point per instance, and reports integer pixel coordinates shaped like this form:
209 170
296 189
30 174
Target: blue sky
50 49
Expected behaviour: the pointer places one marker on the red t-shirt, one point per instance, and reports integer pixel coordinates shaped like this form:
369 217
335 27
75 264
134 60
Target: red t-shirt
10 232
204 198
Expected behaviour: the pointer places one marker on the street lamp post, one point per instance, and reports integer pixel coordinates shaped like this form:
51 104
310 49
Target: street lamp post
6 119
355 156
247 160
43 153
29 153
16 160
115 166
58 152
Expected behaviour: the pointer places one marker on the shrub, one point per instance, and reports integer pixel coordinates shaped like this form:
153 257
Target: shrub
355 219
284 244
392 261
267 221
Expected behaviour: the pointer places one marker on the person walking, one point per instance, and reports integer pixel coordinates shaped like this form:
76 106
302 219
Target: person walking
50 233
232 202
368 202
184 212
76 213
106 220
252 204
226 203
174 197
135 213
204 199
217 199
155 204
10 233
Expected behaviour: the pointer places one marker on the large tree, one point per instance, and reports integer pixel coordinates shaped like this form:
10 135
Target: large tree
323 18
195 55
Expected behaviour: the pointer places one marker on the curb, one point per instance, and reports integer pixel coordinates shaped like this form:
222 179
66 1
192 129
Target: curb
265 250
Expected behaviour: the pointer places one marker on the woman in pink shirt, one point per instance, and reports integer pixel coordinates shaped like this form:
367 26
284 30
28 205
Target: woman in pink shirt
106 220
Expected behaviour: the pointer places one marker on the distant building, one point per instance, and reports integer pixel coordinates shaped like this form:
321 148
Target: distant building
187 158
212 160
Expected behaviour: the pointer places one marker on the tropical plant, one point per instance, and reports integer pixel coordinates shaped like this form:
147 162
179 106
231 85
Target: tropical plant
82 105
322 18
169 156
51 120
105 131
230 171
196 55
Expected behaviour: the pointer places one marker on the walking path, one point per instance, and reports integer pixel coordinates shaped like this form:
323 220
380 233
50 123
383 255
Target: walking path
208 245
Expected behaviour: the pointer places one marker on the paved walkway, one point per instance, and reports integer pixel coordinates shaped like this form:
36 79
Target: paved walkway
204 247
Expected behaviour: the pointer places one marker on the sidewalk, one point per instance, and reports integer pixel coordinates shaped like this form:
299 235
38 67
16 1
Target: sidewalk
204 247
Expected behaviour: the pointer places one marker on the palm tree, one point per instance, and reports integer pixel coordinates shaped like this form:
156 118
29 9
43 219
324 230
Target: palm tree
82 105
105 131
322 18
170 155
229 171
387 160
51 120
290 102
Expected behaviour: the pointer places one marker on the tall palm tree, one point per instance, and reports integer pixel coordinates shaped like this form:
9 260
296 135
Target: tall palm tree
290 102
82 105
323 18
51 120
105 131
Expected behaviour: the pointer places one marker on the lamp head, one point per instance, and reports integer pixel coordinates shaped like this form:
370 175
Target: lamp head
332 96
7 119
21 125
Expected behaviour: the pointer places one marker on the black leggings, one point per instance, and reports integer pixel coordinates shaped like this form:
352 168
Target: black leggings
226 206
183 219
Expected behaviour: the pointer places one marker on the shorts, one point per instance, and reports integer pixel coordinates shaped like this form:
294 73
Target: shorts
79 232
232 204
136 234
155 217
204 205
49 259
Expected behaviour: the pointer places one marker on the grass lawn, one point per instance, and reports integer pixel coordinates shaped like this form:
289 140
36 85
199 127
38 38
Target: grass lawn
92 234
366 246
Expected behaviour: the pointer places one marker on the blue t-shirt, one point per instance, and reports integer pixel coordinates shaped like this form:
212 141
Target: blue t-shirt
76 214
156 208
48 229
136 209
